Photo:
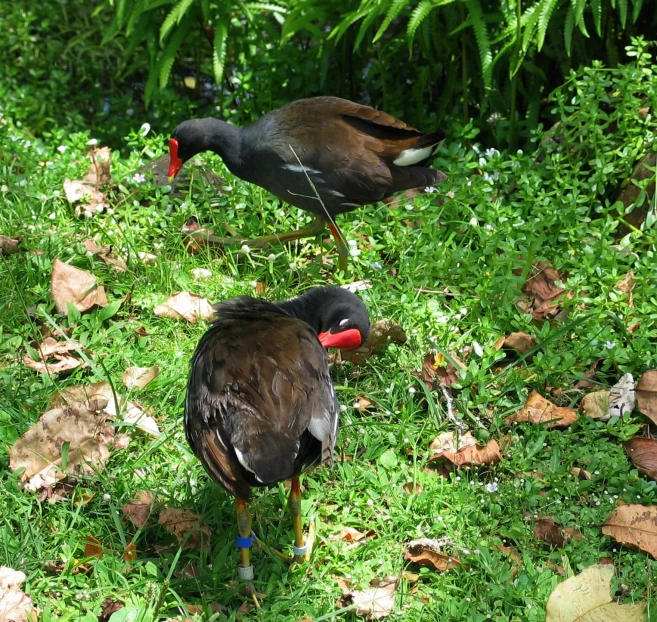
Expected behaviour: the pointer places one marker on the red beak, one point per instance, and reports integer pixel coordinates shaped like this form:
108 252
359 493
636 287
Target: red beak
175 163
346 340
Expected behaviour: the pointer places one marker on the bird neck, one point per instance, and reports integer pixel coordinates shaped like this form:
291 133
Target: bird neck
226 141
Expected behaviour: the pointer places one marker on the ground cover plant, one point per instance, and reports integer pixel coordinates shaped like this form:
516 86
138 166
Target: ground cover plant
458 493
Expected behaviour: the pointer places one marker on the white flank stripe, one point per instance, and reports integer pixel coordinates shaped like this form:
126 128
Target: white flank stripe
296 168
240 458
408 157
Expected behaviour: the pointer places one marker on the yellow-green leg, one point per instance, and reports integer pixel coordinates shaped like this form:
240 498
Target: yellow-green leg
343 252
301 551
245 542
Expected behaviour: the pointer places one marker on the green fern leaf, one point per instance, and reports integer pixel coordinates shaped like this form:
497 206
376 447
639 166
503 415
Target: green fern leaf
483 42
266 6
568 28
596 7
393 11
530 19
219 50
546 9
362 31
622 12
637 6
347 22
579 6
174 17
417 17
170 51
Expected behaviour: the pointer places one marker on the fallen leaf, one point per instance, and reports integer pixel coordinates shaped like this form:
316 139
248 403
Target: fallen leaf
362 403
520 342
626 285
139 376
646 395
585 382
556 568
186 527
109 607
99 173
260 288
39 450
105 254
352 535
185 305
412 488
643 453
381 334
54 356
8 246
424 553
93 548
374 603
15 605
89 199
244 608
437 370
138 510
511 553
580 473
596 404
448 441
622 398
586 597
548 530
635 526
147 258
134 415
80 288
201 273
539 410
468 452
541 292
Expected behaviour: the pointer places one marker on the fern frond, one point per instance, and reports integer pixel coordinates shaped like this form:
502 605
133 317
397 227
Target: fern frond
364 26
174 17
622 12
347 22
219 50
637 5
568 28
579 6
546 9
170 51
483 42
393 11
596 7
417 17
266 6
530 23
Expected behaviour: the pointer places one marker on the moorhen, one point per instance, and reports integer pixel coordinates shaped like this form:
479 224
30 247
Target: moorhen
324 155
260 404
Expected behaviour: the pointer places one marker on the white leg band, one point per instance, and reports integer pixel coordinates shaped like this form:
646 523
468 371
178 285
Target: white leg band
300 550
245 573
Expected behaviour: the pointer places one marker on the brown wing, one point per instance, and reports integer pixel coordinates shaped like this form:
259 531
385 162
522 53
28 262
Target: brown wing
260 404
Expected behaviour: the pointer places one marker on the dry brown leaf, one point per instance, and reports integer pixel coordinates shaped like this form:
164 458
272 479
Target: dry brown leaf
539 410
646 395
622 398
54 356
260 288
511 553
93 548
8 246
139 376
353 535
635 526
185 305
580 473
448 441
585 383
106 255
643 453
548 530
586 598
80 288
520 342
542 292
374 603
362 403
89 199
626 285
468 452
99 173
39 450
138 510
437 370
186 527
381 334
109 607
412 488
596 404
423 554
15 605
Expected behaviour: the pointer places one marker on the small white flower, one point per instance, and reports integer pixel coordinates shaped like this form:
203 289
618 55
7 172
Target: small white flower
52 215
370 502
376 265
62 148
246 250
450 194
106 497
491 152
479 351
411 390
610 345
139 178
271 258
4 188
492 487
343 408
354 252
92 142
430 190
144 129
293 265
474 222
22 182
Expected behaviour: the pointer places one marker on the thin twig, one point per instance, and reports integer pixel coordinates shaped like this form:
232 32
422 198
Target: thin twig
450 410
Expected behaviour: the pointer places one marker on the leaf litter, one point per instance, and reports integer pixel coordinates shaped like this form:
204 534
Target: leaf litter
187 306
550 531
643 453
542 292
105 254
54 357
538 410
374 603
462 450
428 552
635 526
187 528
15 605
646 395
77 287
382 333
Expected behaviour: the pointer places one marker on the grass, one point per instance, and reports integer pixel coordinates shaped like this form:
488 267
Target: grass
449 267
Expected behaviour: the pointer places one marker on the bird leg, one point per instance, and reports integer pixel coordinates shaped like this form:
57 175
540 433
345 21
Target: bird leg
245 542
301 551
343 253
